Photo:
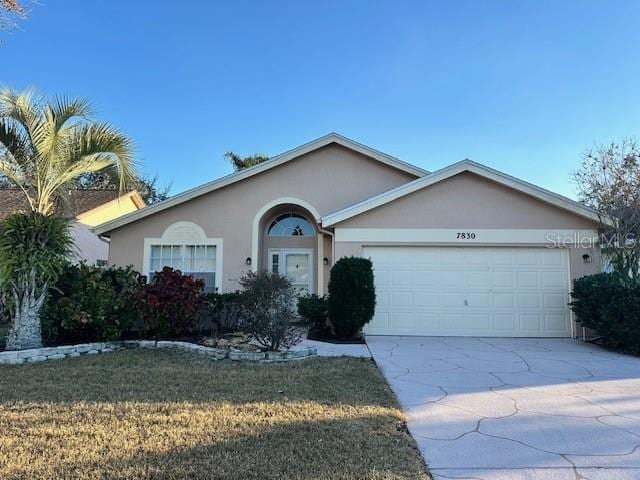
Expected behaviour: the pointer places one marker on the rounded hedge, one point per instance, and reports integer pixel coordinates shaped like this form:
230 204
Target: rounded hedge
609 304
352 296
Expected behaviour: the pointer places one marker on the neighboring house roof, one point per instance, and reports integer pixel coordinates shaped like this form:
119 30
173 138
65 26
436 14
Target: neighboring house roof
455 169
118 207
332 138
81 202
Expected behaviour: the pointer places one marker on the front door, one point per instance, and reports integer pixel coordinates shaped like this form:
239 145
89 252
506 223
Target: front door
296 265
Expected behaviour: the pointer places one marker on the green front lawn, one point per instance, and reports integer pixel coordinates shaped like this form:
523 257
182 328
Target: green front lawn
153 414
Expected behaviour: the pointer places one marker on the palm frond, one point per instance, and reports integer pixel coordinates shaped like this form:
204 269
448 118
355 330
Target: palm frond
55 128
62 109
21 107
13 141
11 169
23 110
105 145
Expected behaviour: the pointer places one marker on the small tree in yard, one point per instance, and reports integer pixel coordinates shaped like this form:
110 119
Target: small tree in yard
45 146
352 297
270 299
609 182
33 251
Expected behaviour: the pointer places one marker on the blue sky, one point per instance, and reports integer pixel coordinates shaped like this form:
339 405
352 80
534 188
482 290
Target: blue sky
524 87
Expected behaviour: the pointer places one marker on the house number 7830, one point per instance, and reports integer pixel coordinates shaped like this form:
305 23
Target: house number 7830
466 235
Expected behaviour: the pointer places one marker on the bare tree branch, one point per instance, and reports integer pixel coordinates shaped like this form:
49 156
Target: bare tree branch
609 182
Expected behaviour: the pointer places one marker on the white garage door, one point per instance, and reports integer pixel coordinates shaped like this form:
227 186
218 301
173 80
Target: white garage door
474 291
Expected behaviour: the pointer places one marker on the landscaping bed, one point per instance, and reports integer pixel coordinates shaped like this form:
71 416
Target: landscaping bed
164 414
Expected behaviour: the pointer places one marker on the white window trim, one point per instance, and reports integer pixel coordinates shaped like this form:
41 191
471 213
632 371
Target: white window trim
202 240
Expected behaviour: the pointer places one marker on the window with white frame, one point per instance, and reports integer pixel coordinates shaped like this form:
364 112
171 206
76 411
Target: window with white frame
291 224
184 246
198 261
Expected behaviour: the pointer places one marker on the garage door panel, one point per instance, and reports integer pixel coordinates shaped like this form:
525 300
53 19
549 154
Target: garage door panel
475 257
504 300
552 280
426 299
481 321
451 278
530 322
503 279
451 256
381 278
529 300
528 279
505 322
450 299
555 300
479 279
426 277
381 321
428 321
401 278
382 298
502 256
552 257
402 299
470 291
478 300
379 258
526 257
402 319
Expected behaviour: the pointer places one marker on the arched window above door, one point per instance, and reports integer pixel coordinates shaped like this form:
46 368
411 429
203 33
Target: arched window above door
291 224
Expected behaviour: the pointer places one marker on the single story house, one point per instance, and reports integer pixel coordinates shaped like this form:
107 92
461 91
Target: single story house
465 250
88 208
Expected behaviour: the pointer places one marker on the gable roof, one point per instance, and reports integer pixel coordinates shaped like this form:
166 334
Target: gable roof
81 201
133 195
455 169
331 138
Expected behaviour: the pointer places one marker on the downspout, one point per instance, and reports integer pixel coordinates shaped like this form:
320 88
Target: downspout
333 239
333 243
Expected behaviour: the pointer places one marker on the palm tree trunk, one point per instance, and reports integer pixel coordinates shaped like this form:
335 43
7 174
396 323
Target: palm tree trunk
26 331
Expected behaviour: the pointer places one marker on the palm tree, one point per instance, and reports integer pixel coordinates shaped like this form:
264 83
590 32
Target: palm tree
45 146
240 163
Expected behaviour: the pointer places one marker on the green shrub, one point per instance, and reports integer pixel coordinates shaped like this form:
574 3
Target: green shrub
91 304
170 306
609 304
269 298
352 297
224 313
313 310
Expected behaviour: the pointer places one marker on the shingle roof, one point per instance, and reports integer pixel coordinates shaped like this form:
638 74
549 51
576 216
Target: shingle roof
80 201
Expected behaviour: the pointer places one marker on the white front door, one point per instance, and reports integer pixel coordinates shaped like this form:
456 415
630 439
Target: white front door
474 291
295 264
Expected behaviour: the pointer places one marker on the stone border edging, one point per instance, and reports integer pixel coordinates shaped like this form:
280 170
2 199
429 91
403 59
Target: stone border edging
70 351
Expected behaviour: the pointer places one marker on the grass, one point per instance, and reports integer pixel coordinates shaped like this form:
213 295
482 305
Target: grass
160 414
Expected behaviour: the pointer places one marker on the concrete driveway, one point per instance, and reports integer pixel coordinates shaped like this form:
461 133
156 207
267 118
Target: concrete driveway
489 408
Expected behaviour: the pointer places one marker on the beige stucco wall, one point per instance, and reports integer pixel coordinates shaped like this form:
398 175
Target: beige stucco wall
329 179
468 201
